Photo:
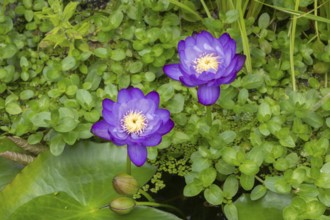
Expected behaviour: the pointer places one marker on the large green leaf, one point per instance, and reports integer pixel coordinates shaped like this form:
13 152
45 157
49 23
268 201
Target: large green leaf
268 207
8 170
74 185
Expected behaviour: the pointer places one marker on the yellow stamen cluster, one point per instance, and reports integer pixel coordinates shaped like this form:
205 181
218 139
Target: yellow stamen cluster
134 122
206 62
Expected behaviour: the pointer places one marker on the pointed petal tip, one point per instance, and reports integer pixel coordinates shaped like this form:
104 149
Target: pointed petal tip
137 154
101 129
208 95
173 71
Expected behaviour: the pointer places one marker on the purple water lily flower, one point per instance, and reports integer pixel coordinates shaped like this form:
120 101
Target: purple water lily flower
134 120
206 62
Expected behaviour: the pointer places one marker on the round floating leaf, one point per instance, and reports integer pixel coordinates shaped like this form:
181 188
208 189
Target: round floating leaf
6 25
230 211
35 138
84 98
26 94
228 136
213 195
230 187
193 188
73 185
57 145
166 92
247 181
258 192
176 104
118 54
263 20
28 15
101 52
268 208
208 176
41 119
68 63
8 170
13 108
249 167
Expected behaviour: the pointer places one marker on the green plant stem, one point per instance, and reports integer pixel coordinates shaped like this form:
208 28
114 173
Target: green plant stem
321 102
259 179
245 40
154 204
146 195
316 24
185 7
326 80
128 165
208 110
206 9
292 41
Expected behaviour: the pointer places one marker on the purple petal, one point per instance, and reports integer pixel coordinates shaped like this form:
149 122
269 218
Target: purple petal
181 45
191 53
152 140
108 104
229 47
187 82
154 96
101 129
137 153
153 124
203 41
190 41
125 95
167 127
136 93
240 62
109 117
208 95
118 133
173 71
224 38
229 69
144 105
163 114
227 79
207 35
207 76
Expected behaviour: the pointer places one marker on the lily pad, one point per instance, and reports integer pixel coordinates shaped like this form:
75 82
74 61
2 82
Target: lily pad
268 207
75 185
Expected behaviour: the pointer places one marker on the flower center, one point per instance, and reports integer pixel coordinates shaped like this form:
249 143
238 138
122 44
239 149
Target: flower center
206 62
134 122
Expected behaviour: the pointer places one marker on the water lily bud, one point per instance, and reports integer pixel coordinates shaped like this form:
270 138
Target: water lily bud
122 205
125 184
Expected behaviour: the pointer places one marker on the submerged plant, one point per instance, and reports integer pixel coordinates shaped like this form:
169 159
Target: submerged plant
206 62
134 120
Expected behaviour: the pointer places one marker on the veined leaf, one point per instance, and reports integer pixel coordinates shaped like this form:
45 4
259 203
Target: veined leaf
75 184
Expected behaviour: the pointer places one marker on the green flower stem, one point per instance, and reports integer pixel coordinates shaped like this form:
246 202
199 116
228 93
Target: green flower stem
316 24
155 204
128 165
292 40
326 80
209 115
321 102
259 179
244 36
185 7
206 9
146 195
